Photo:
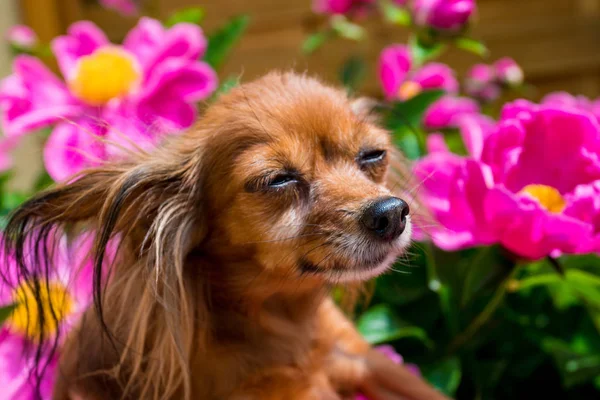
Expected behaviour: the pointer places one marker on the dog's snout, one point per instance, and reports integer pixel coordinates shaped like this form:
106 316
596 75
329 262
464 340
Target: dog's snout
386 217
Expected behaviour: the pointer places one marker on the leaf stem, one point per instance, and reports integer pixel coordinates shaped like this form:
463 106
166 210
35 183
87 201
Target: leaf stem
484 316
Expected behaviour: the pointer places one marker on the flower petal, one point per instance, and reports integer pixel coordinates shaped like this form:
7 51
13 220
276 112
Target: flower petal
144 39
436 143
444 113
82 39
33 98
73 147
474 129
15 367
184 42
565 142
529 231
394 64
436 76
174 85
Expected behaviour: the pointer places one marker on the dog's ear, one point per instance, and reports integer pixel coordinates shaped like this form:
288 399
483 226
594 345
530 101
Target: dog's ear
151 203
152 208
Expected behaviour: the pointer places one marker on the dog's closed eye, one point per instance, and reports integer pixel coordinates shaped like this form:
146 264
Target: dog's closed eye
283 179
371 157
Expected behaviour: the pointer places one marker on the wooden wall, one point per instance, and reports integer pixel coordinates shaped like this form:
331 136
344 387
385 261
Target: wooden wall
556 41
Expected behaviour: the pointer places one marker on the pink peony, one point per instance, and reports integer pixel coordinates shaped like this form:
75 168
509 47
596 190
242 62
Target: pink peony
400 80
331 7
481 83
447 15
22 37
129 93
530 183
70 291
391 353
509 72
447 111
566 100
125 7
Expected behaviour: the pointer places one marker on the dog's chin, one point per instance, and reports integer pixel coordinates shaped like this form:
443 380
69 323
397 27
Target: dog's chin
375 265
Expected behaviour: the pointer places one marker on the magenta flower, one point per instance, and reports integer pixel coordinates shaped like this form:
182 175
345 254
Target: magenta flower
22 37
509 72
69 290
566 100
481 83
130 93
400 80
447 111
125 7
342 7
446 15
530 183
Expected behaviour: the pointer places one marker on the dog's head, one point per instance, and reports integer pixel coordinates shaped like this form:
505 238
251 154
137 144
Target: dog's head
299 178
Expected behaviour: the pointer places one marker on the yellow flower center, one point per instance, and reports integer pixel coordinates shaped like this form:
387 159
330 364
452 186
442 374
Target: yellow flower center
25 318
547 196
107 73
408 90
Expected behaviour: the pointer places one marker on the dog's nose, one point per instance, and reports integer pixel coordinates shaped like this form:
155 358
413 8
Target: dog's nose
386 217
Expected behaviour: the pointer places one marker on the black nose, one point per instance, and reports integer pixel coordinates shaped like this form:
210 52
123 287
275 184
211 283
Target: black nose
386 217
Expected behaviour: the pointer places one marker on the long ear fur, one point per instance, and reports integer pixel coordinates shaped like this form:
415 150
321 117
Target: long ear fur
151 206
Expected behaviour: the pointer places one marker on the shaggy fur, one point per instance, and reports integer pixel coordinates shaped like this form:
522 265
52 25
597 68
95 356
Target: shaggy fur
219 289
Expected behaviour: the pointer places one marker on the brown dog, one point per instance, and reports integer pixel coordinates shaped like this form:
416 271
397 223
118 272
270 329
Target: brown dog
231 237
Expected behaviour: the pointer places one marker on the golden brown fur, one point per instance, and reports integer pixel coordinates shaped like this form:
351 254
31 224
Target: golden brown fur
211 296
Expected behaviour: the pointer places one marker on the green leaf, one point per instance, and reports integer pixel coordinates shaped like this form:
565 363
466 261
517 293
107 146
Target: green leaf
379 324
222 41
574 367
347 29
395 14
314 42
472 46
444 375
192 15
422 51
353 72
5 312
11 200
407 140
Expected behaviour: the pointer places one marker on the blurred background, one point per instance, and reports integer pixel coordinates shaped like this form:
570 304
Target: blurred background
557 42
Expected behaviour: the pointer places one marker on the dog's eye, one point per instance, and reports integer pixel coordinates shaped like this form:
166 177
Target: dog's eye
371 156
282 180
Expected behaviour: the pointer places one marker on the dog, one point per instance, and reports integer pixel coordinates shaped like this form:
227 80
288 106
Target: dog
230 239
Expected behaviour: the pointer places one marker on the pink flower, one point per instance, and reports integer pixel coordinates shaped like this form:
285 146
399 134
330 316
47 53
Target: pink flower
447 111
481 83
530 183
400 80
331 7
125 7
391 353
69 289
129 93
448 15
566 100
509 72
22 37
